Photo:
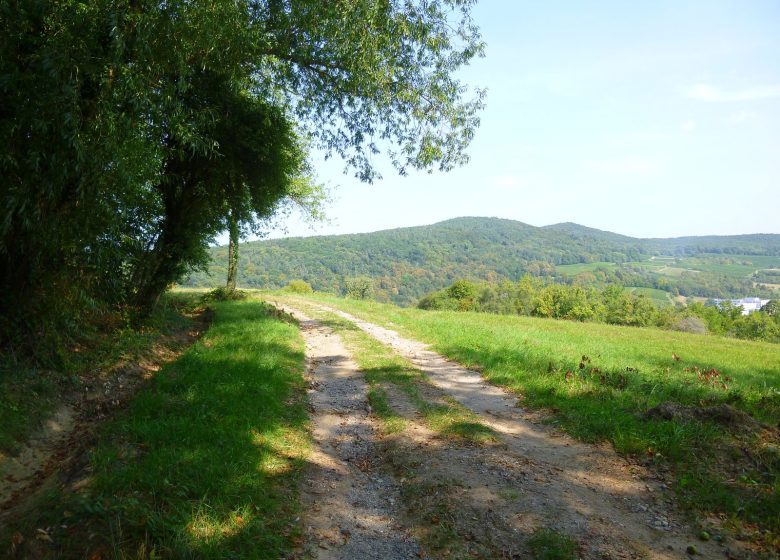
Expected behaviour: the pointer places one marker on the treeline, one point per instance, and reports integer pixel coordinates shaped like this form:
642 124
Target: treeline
408 263
613 305
134 132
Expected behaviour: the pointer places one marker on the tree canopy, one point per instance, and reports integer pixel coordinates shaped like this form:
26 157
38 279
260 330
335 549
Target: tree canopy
132 129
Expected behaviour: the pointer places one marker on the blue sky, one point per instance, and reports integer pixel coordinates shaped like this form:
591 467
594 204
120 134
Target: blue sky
650 119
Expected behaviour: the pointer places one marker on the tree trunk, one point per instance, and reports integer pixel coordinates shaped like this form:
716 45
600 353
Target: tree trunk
232 270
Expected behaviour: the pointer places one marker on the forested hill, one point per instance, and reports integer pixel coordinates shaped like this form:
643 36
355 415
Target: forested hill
407 263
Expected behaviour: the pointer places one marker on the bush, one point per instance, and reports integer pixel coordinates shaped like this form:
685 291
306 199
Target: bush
360 287
694 325
299 287
223 294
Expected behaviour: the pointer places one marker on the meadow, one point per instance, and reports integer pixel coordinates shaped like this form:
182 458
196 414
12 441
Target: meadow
702 408
203 463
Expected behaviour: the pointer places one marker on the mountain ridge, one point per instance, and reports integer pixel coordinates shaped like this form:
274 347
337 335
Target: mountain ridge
406 263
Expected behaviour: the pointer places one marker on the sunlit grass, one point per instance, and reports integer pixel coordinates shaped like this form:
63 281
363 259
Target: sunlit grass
204 463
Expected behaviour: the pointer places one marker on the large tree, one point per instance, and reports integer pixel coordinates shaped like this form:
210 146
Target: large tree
132 129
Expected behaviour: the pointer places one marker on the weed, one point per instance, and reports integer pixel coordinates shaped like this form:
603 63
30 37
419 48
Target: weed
547 544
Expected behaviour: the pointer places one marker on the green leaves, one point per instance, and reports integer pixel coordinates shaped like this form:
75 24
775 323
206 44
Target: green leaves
133 128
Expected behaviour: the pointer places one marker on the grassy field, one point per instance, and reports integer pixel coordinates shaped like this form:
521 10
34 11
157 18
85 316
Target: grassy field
658 296
741 266
204 462
600 381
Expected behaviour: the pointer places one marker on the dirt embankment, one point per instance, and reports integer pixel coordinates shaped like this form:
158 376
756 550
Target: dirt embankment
56 453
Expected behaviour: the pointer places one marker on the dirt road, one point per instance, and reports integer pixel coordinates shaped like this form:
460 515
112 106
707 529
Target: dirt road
351 507
492 498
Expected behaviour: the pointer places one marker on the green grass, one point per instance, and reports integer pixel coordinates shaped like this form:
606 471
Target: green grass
629 371
659 297
204 462
28 395
547 544
740 266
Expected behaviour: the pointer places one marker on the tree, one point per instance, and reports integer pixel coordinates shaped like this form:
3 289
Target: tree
232 273
135 130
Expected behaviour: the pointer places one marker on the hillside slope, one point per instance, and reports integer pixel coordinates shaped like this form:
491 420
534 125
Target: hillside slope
407 263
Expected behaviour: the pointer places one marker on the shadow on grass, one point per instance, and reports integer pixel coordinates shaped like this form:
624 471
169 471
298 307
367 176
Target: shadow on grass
204 462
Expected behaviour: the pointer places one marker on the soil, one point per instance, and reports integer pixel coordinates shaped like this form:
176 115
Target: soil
723 414
55 454
351 507
487 500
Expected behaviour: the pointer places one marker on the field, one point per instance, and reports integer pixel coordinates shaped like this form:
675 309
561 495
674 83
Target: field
206 460
739 266
574 269
602 383
658 296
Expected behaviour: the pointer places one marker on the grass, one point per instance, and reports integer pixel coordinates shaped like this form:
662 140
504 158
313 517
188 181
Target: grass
658 297
204 462
29 395
574 269
732 474
547 544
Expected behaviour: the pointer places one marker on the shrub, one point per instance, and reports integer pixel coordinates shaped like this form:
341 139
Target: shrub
360 287
694 325
299 287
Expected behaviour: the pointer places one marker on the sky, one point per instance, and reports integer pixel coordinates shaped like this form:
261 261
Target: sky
649 119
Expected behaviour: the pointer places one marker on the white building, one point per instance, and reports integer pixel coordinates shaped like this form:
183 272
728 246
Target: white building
748 304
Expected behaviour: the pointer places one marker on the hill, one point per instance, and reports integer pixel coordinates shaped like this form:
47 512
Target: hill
407 263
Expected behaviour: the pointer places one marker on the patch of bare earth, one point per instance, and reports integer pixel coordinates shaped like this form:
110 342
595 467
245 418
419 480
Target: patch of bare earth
497 495
55 455
351 506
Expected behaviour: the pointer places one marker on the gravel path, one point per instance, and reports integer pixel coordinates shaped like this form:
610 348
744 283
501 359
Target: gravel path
612 508
351 508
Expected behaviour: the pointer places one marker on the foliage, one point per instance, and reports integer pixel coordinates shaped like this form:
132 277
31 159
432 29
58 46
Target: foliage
132 130
359 287
28 395
728 320
223 294
409 263
613 305
298 287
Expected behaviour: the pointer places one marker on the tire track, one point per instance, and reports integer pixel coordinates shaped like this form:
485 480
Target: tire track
350 508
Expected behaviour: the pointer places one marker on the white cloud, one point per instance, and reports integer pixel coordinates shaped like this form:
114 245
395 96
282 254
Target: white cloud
741 116
622 166
688 125
706 92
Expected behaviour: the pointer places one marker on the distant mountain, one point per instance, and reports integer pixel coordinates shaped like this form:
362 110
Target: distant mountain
407 263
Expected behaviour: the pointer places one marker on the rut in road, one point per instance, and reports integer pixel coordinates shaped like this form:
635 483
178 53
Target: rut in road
350 506
611 508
